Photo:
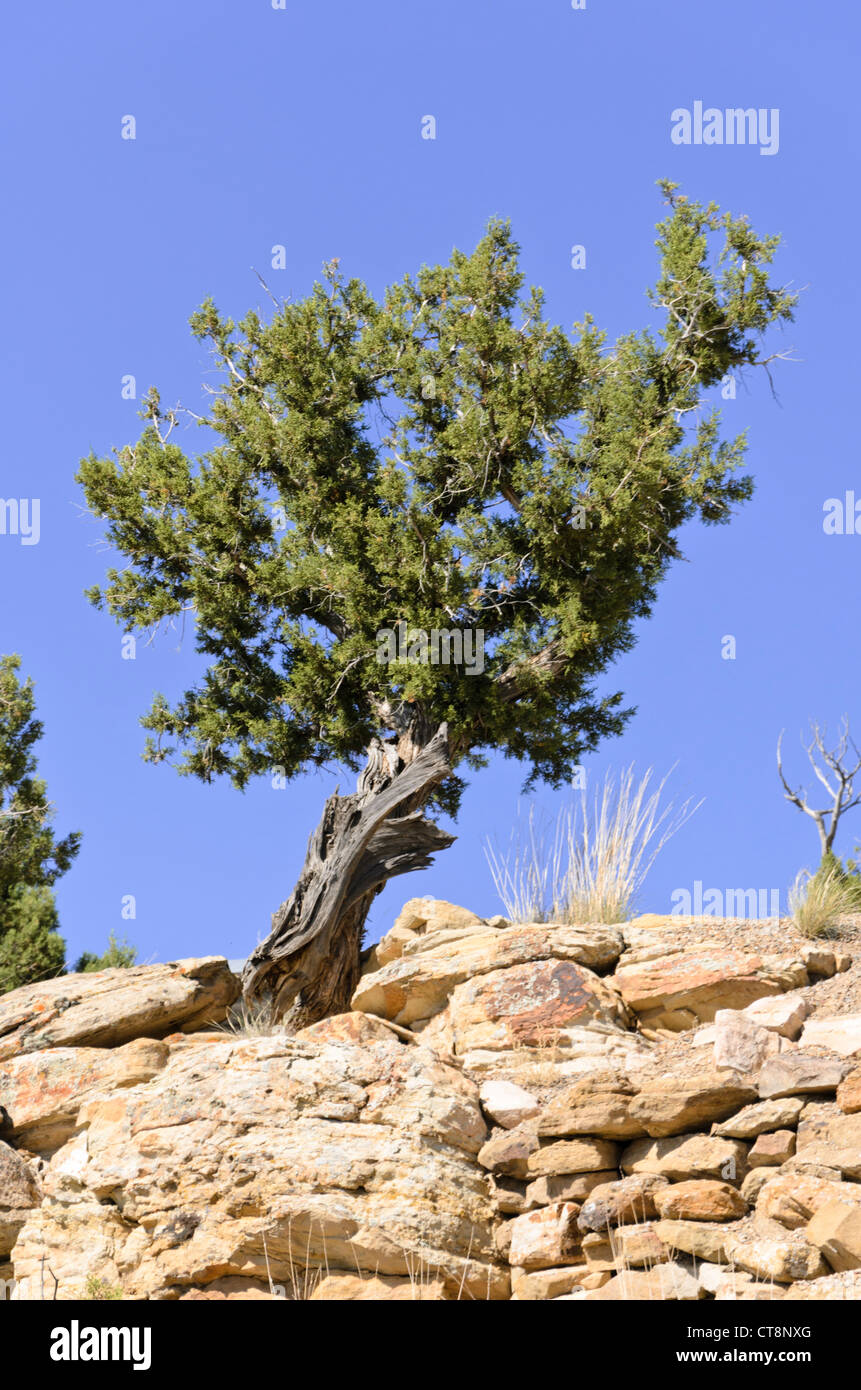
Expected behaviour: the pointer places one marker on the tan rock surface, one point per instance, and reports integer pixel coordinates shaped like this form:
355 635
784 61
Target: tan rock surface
570 1187
794 1198
833 1140
836 1231
700 1200
249 1157
761 1118
780 1259
679 1103
418 984
20 1192
705 1240
624 1247
529 1005
419 919
669 1282
546 1238
849 1093
687 1156
538 1285
841 1035
833 1288
772 1149
111 1007
796 1074
589 1107
42 1092
679 992
562 1156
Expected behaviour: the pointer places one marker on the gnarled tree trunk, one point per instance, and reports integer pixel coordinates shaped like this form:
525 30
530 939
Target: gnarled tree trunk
308 966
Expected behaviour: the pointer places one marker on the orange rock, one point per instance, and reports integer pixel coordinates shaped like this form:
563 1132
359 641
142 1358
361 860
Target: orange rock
700 1200
678 992
849 1093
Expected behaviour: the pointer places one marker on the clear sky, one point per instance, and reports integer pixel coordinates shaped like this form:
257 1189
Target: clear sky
301 126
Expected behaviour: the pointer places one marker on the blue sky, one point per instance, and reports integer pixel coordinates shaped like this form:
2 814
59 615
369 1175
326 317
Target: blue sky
301 126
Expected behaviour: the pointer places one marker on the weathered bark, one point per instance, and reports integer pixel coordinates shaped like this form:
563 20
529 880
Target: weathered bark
308 966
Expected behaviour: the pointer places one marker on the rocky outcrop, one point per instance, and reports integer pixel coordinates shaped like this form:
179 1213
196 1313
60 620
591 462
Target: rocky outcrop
43 1091
418 983
111 1007
688 987
536 1112
267 1159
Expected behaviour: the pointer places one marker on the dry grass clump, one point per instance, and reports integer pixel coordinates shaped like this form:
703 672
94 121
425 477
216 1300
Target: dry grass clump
592 867
246 1020
817 902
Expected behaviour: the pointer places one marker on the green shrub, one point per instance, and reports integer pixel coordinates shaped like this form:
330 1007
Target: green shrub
119 954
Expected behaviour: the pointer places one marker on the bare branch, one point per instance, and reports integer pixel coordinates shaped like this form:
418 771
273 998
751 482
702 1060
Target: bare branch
839 785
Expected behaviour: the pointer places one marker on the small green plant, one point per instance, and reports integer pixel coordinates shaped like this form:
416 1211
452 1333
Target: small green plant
818 901
119 954
852 877
101 1291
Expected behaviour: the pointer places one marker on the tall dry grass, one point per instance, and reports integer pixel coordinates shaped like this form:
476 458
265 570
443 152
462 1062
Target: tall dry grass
818 901
591 865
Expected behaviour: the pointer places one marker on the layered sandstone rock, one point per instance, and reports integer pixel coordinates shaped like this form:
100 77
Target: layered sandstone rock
111 1007
43 1091
418 983
255 1158
679 991
460 1134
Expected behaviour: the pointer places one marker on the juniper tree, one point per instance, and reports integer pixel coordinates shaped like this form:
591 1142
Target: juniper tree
441 457
31 858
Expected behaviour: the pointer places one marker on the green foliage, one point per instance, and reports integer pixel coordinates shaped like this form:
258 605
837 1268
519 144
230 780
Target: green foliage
101 1290
431 457
848 878
119 954
31 859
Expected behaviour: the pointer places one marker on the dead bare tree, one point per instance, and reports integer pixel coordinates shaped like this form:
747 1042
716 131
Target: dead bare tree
831 769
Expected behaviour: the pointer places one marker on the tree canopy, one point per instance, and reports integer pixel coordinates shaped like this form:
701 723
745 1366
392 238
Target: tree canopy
445 457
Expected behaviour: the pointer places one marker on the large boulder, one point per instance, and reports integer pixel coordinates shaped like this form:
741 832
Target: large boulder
417 984
533 1005
111 1007
687 1156
831 1139
680 991
42 1092
271 1157
842 1035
